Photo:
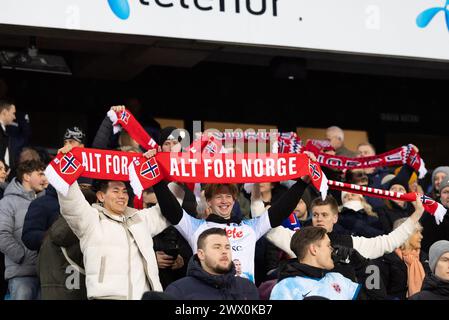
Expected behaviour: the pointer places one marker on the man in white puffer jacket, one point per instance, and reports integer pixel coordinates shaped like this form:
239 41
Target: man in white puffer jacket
116 242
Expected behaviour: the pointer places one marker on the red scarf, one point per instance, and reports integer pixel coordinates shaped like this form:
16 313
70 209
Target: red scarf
127 121
396 157
185 167
64 170
224 168
285 143
434 208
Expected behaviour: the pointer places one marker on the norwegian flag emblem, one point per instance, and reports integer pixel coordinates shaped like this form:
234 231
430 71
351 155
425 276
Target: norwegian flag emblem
68 164
313 169
124 117
427 200
150 170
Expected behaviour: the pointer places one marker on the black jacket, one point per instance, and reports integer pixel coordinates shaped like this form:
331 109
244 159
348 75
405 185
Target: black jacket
170 240
393 271
41 214
200 285
359 224
433 232
387 216
433 289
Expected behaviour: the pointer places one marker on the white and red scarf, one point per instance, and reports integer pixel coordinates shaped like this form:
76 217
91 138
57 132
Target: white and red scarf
397 157
225 168
431 206
124 119
284 143
212 165
143 173
65 169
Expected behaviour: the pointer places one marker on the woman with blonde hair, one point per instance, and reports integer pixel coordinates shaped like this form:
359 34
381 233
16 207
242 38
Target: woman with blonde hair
404 270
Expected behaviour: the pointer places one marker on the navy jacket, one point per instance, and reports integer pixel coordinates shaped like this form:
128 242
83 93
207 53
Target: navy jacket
41 214
200 285
360 223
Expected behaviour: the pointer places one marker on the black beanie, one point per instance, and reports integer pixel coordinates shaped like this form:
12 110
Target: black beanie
170 133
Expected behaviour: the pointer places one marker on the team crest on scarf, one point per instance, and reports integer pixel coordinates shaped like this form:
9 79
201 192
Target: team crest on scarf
125 117
68 164
149 169
314 172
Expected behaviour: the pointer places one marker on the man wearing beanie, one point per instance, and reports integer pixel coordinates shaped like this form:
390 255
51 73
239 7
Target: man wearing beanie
436 286
170 139
75 137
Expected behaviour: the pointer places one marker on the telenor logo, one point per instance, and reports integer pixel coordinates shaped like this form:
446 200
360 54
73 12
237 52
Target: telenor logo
427 16
120 8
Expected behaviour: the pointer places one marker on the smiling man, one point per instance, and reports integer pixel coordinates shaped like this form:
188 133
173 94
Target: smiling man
116 241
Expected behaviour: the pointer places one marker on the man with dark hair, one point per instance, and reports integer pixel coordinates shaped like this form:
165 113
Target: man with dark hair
20 263
211 274
7 117
309 275
325 215
116 240
43 212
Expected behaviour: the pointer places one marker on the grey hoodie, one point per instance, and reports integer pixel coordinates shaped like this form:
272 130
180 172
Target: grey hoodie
19 261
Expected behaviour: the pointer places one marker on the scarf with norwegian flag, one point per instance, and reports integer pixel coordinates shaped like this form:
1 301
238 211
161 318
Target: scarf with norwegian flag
143 173
65 169
124 119
431 206
285 143
397 157
226 168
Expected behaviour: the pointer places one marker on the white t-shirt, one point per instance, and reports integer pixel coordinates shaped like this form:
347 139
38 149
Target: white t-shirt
242 237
